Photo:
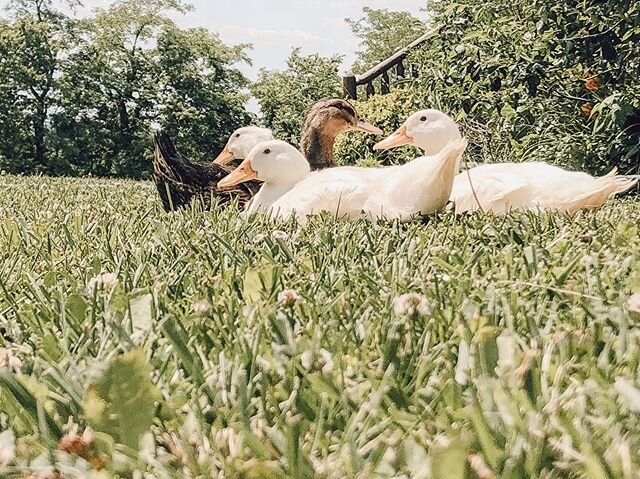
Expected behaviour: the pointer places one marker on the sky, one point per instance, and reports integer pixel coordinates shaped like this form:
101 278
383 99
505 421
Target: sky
275 27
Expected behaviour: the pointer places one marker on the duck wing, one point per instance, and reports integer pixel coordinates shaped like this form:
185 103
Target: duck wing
490 190
339 191
180 180
533 186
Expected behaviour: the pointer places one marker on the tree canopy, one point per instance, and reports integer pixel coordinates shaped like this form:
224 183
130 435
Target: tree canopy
381 33
82 96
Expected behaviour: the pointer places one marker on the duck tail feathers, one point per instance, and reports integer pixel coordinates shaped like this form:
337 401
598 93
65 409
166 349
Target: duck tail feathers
604 188
612 173
165 158
623 184
163 144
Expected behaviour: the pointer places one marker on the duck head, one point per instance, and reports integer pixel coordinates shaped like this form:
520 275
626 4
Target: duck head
274 162
430 130
335 116
324 121
241 142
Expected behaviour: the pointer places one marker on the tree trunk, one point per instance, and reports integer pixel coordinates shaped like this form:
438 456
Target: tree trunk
39 136
124 116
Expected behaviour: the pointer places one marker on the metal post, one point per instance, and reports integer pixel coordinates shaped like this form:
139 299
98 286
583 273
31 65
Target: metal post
385 87
350 87
370 90
400 70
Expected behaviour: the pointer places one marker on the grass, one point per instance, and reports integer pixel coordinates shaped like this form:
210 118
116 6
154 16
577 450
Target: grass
201 345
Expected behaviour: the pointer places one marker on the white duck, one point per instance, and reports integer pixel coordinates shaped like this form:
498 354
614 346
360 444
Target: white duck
502 187
278 164
422 186
241 142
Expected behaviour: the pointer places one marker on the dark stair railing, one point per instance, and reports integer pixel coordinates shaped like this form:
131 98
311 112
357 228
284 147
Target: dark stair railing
350 83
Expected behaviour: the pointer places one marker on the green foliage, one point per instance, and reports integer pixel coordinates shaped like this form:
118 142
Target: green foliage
15 141
83 96
522 363
201 100
387 112
382 33
121 402
284 96
531 83
532 80
31 46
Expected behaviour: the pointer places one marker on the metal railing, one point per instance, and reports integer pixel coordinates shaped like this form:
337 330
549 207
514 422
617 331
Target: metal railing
351 83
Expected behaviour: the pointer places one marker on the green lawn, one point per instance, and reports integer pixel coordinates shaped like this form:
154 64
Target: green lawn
202 345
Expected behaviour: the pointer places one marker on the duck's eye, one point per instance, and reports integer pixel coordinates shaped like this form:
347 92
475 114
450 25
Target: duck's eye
267 151
424 118
237 135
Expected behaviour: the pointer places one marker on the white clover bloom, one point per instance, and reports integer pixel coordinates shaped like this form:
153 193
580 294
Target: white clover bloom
4 358
280 235
7 448
446 278
411 304
15 363
102 281
201 307
257 239
480 467
633 303
588 260
306 359
9 361
327 359
289 297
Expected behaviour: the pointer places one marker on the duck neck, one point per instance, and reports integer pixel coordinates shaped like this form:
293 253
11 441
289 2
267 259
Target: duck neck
432 188
268 194
317 146
440 136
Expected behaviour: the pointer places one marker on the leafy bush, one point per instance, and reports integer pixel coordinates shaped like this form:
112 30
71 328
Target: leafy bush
535 80
557 79
386 112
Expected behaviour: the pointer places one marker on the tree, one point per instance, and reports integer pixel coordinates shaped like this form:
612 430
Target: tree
382 33
33 44
201 97
81 97
15 136
110 86
284 96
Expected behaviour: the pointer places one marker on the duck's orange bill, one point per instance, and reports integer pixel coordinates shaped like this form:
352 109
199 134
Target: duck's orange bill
242 173
224 157
399 138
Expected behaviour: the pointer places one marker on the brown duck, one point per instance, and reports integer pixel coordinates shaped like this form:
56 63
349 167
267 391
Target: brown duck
179 179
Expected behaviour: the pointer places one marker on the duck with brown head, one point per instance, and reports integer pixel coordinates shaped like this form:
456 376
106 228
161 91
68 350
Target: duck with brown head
324 121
